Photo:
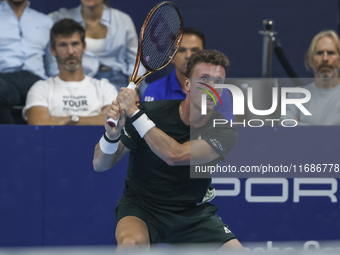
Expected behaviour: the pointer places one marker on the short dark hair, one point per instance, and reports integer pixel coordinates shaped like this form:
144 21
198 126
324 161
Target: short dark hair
195 31
66 27
206 56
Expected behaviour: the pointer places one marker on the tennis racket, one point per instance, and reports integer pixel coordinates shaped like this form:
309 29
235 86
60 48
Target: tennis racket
159 40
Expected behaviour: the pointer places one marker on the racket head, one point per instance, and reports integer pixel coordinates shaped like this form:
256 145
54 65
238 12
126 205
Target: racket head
159 38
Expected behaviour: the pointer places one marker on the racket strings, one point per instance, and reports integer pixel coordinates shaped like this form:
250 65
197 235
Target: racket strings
161 37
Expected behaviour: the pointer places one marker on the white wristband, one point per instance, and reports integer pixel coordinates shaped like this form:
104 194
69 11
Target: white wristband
143 125
106 147
135 113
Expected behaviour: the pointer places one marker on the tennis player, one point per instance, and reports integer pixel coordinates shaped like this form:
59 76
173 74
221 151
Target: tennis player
160 202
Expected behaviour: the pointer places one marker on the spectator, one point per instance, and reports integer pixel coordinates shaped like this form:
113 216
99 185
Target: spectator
25 54
172 86
323 57
71 98
111 40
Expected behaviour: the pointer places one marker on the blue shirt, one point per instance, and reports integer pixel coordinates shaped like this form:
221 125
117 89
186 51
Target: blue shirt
168 87
24 43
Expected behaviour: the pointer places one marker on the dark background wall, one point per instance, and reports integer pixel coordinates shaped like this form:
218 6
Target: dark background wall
232 26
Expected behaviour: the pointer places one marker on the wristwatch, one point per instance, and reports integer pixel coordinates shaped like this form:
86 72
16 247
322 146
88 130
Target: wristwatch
74 118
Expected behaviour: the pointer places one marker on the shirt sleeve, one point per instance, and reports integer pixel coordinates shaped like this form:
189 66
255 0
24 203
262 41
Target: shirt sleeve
109 92
50 62
221 139
37 96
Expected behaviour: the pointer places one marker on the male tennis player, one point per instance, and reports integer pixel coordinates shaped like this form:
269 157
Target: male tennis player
161 203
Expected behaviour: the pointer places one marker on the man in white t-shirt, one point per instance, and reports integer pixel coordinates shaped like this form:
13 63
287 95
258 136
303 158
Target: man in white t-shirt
323 57
71 98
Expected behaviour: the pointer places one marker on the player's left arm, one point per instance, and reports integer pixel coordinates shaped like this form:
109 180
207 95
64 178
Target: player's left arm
173 153
164 146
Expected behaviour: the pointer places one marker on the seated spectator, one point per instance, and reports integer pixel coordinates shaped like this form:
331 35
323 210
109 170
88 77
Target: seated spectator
172 85
323 57
71 98
25 54
111 40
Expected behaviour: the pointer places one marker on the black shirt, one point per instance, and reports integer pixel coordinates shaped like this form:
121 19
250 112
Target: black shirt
149 176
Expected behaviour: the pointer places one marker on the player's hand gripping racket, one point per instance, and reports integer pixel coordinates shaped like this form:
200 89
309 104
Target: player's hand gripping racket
159 40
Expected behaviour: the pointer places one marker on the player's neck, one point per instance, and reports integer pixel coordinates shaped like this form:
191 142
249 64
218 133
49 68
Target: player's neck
191 115
184 112
92 13
18 9
78 75
180 79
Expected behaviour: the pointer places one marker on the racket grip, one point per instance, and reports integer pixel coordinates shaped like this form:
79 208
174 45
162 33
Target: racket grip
112 122
131 85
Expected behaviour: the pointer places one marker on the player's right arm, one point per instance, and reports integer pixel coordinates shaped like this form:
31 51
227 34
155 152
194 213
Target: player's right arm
103 161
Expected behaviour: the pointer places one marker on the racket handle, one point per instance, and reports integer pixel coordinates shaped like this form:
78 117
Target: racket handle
131 85
112 122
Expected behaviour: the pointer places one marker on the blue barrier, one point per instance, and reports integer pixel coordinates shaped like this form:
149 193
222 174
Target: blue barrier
50 195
